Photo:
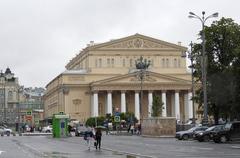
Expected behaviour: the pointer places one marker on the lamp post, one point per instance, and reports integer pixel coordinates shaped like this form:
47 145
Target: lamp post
203 19
190 56
141 65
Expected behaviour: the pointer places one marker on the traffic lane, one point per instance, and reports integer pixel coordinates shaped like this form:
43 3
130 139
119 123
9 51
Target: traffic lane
50 147
10 149
170 147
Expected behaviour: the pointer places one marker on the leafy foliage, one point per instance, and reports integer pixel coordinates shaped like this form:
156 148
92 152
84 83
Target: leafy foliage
157 106
223 68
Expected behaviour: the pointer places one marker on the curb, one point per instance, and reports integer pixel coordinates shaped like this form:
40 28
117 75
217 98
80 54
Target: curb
151 136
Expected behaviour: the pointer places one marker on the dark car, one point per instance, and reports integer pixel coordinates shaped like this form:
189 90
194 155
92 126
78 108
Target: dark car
80 131
207 135
231 132
185 135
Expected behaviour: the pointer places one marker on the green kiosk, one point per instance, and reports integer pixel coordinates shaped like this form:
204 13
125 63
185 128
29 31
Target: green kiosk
60 125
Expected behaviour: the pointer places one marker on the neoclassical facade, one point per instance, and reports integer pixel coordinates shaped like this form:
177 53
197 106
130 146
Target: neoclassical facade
103 78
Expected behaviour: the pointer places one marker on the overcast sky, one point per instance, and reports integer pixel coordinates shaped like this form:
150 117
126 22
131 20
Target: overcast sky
39 37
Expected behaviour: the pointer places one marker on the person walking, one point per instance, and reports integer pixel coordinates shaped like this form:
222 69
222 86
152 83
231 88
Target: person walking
88 136
98 138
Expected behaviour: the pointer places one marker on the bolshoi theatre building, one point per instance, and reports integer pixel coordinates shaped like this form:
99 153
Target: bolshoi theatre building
103 77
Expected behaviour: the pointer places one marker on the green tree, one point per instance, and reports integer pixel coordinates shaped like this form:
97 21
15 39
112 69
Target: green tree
93 121
222 50
157 106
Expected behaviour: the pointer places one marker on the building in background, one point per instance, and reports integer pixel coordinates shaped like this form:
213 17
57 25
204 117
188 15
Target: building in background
31 105
9 97
103 77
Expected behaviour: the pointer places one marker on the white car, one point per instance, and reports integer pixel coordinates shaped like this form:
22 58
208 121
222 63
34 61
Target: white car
47 129
4 130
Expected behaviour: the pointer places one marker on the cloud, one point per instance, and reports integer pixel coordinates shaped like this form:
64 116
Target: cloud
38 38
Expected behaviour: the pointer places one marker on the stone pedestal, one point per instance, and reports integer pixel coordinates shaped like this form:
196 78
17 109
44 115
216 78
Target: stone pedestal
159 127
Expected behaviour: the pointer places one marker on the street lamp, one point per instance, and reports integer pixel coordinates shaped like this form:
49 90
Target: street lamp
190 56
204 61
141 65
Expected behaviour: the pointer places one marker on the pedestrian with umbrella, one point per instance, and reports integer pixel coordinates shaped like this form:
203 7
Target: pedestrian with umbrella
98 136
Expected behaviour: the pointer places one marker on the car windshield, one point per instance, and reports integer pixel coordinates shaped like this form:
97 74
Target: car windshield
211 128
192 129
228 126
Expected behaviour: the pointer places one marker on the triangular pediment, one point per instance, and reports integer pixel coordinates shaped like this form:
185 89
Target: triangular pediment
137 41
151 77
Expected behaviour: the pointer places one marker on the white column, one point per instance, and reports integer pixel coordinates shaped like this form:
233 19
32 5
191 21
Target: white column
137 106
177 105
95 104
123 101
190 105
109 102
150 100
164 100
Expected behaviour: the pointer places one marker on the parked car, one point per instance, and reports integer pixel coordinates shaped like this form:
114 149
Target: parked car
5 131
231 132
185 135
80 131
207 135
47 129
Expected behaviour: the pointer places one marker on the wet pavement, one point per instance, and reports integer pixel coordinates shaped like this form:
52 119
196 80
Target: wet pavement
113 147
41 147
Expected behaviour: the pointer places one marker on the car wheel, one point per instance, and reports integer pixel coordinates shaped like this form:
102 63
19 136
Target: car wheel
223 139
185 137
8 133
206 138
200 140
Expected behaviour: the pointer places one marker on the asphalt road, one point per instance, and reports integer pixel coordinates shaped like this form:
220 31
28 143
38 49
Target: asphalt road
114 147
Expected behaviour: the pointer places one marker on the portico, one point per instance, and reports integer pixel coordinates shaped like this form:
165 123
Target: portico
173 94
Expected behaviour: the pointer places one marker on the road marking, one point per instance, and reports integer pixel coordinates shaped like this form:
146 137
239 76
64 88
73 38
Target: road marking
202 148
236 147
1 152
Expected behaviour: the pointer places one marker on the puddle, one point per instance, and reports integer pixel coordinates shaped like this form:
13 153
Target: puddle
123 155
56 154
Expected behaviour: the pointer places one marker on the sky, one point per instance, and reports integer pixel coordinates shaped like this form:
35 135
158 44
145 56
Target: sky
39 37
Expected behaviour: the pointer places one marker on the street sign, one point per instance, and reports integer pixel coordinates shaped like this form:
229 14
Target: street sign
116 118
117 113
29 113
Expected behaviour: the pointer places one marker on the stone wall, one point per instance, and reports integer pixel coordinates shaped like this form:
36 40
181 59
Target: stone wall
159 126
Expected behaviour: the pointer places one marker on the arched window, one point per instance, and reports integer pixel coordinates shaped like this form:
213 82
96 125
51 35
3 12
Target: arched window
96 63
112 63
152 63
124 63
131 62
179 62
175 63
167 63
100 62
10 95
163 63
108 62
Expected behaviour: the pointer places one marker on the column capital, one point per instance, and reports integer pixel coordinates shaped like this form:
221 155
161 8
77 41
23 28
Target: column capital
94 91
123 91
150 91
137 91
177 91
163 91
109 91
